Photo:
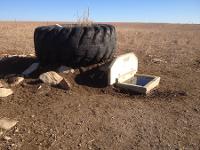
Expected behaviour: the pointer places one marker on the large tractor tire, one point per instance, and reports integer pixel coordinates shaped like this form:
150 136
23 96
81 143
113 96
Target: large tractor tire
74 45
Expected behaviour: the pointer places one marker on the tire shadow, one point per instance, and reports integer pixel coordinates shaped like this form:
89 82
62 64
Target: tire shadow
15 65
95 78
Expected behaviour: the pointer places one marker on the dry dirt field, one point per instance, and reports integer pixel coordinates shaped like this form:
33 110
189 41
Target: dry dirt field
92 116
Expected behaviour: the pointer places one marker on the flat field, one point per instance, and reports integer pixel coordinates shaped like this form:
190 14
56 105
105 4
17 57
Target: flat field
92 116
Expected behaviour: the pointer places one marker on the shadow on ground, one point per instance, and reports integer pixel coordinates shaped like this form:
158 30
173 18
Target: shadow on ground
15 65
93 78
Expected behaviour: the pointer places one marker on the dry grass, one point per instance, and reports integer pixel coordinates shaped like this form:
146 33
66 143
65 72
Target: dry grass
84 20
17 38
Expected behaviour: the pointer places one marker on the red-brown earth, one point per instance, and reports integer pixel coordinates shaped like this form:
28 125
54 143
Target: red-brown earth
92 116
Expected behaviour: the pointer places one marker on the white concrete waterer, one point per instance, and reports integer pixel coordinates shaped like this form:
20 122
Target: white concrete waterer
123 73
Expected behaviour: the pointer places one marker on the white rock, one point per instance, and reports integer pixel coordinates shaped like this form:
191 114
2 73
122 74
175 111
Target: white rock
51 78
31 69
65 84
14 56
7 138
72 70
19 80
31 55
39 87
7 124
16 81
58 25
4 57
20 56
4 92
64 69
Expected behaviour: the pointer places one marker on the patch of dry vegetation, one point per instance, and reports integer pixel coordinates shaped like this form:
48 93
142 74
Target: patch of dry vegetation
84 20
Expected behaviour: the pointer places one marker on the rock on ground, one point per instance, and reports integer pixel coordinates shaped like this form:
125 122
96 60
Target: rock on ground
4 92
7 138
65 84
158 60
13 81
65 69
7 124
51 78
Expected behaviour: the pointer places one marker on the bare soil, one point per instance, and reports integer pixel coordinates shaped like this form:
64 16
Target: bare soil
94 116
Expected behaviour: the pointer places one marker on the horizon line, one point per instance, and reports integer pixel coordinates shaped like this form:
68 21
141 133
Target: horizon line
123 22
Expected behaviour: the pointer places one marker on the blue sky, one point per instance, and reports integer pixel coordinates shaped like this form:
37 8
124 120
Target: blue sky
170 11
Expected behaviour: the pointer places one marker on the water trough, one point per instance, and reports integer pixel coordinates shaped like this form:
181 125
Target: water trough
122 72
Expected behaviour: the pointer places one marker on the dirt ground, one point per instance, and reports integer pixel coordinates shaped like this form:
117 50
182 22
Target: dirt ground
93 116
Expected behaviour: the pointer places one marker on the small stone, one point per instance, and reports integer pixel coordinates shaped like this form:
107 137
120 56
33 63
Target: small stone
7 138
7 124
51 78
72 70
40 87
29 131
15 81
24 84
43 89
58 25
65 84
183 93
64 69
31 55
16 130
4 92
157 60
1 133
13 145
16 56
31 69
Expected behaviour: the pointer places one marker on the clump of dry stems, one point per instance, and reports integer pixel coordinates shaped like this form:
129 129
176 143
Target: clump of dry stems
84 20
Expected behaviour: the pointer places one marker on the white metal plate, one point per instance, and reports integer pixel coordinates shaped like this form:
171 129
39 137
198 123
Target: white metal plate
123 67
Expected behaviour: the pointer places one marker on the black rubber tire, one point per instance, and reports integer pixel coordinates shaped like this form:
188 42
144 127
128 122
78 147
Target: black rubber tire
75 45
